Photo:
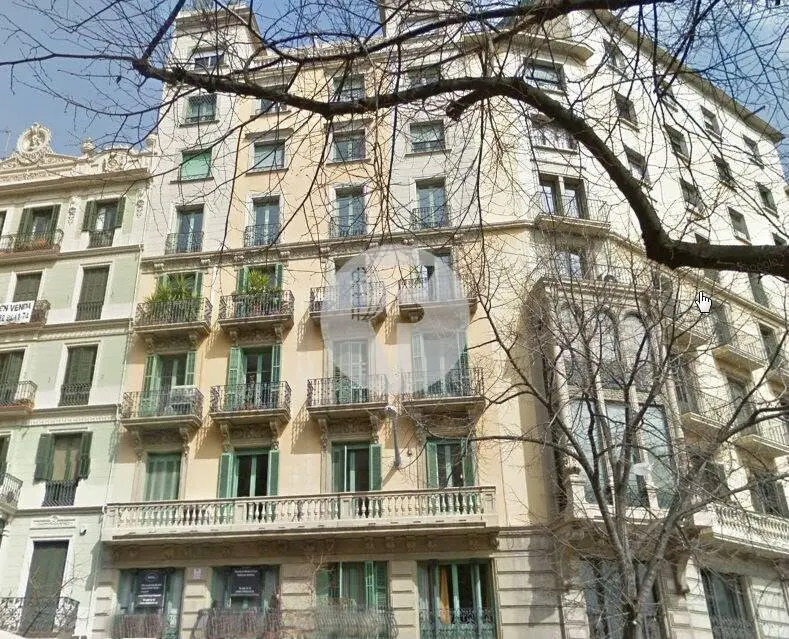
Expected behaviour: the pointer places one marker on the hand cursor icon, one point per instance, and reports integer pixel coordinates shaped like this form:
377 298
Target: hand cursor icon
703 301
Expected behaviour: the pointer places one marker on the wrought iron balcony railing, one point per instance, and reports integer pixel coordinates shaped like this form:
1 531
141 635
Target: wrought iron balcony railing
188 311
241 623
423 290
362 299
39 616
455 383
21 394
250 397
88 311
60 493
38 316
74 394
9 489
479 623
347 227
101 239
572 208
31 242
743 349
154 625
185 401
732 628
183 243
255 305
430 217
338 391
422 146
261 235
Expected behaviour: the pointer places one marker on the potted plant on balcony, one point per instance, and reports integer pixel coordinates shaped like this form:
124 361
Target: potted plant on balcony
260 295
174 289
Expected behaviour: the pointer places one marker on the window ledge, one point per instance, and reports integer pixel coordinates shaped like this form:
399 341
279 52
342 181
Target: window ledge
255 171
769 211
260 114
186 125
209 178
412 154
364 160
556 149
628 123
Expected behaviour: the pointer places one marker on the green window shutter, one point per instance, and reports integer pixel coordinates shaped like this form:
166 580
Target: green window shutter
276 351
322 584
119 213
43 471
198 285
235 363
125 582
469 476
161 282
10 369
189 377
375 466
53 222
89 219
277 276
151 376
25 222
241 280
369 584
84 455
381 585
218 581
431 452
273 472
225 487
338 468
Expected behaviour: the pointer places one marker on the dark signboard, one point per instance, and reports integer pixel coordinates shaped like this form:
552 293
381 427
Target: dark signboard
150 589
244 582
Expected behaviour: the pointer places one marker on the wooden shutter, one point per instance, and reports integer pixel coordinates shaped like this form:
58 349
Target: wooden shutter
83 463
276 351
53 221
27 286
225 488
11 369
241 280
273 472
89 219
277 276
369 584
218 582
25 222
338 468
375 466
5 443
163 474
381 585
431 452
469 475
152 374
119 213
94 284
189 376
235 375
322 584
43 471
198 285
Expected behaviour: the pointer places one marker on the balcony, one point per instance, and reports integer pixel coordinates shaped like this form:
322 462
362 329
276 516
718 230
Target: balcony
744 530
342 397
39 616
249 403
347 228
74 395
417 295
17 399
571 215
381 512
101 239
697 414
778 370
24 315
430 217
455 391
365 301
769 438
189 318
9 493
592 279
259 311
688 332
17 248
183 243
239 623
87 311
738 350
261 234
476 623
60 493
141 624
162 409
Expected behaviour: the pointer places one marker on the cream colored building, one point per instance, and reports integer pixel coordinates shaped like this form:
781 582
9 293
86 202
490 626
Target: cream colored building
250 470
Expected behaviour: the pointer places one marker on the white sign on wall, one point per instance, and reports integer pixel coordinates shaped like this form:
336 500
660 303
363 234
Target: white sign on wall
16 312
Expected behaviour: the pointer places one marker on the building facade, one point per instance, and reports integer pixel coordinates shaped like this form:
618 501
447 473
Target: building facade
69 257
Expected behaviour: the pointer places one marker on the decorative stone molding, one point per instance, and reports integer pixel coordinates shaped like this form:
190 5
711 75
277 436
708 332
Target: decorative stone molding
53 522
73 207
139 204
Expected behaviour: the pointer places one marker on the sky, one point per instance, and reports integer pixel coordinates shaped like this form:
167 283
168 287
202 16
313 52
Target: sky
24 100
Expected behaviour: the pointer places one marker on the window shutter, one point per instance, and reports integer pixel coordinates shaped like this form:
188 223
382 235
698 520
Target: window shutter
431 451
338 469
43 471
25 222
89 220
241 280
53 222
189 377
84 455
234 375
225 488
277 276
375 466
119 213
161 282
469 477
418 364
218 580
381 585
151 375
125 580
322 584
369 584
463 348
198 285
276 351
4 445
273 472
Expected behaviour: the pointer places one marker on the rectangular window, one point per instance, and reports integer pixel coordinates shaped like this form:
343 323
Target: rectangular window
724 171
348 88
5 443
552 136
456 599
549 196
188 237
10 370
77 382
757 289
356 468
269 156
691 195
200 108
677 141
241 596
711 124
349 219
710 274
571 264
638 166
726 605
44 586
752 149
207 60
348 146
427 136
271 106
61 461
363 584
27 286
770 342
712 482
265 225
101 219
65 456
666 95
544 75
766 197
684 385
432 210
450 463
91 297
625 108
162 476
149 603
424 75
616 59
195 165
741 403
738 225
767 494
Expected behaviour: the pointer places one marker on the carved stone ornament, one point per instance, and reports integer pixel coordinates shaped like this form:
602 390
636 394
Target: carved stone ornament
115 161
139 204
73 207
34 142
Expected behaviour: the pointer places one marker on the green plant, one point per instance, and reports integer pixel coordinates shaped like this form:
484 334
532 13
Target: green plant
177 287
258 282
